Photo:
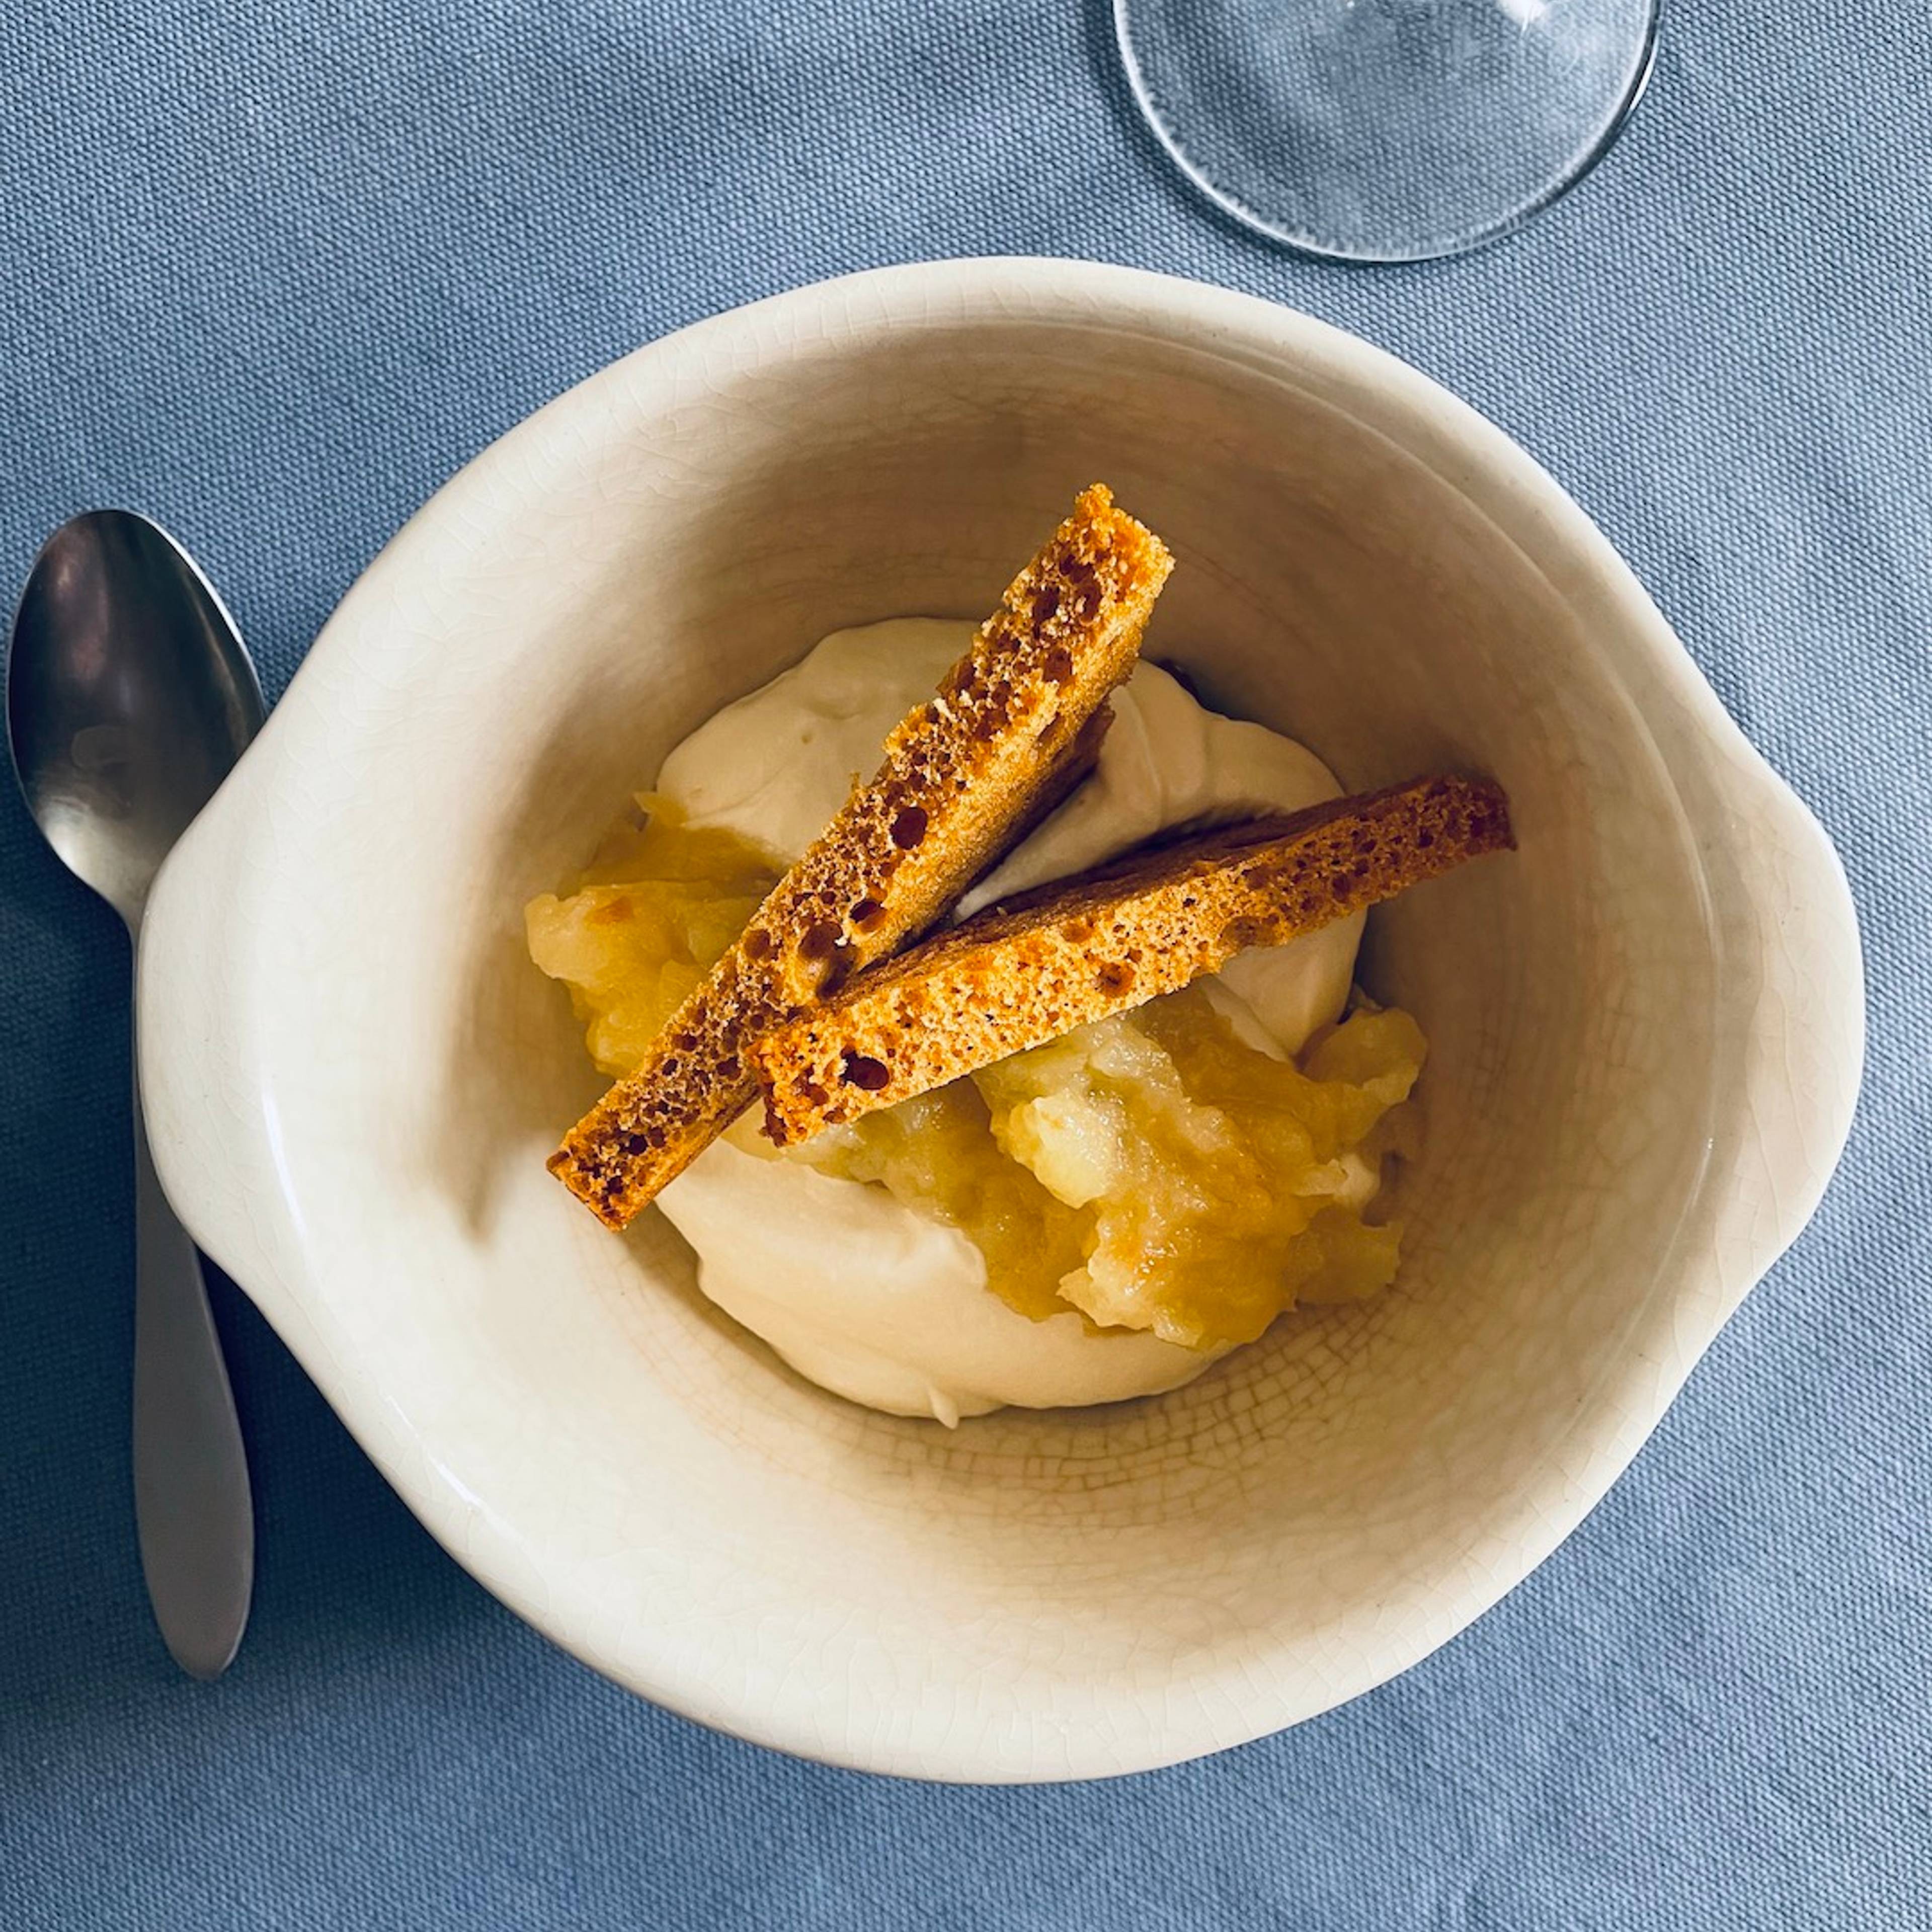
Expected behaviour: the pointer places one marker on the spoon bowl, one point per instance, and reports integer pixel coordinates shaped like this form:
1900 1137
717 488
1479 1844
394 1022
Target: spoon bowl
129 697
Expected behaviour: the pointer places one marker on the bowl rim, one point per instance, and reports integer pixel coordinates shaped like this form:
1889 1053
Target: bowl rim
243 1222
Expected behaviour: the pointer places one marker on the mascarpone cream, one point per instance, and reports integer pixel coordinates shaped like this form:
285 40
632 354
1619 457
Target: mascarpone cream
855 1290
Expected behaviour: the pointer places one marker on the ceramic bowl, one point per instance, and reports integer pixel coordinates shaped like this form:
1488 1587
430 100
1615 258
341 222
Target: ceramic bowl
1646 1026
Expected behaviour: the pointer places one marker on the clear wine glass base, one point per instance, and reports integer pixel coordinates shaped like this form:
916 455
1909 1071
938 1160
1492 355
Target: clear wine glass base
1385 131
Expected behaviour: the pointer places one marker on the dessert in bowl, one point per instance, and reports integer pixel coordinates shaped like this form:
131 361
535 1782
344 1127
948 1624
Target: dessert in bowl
1066 1087
1644 1028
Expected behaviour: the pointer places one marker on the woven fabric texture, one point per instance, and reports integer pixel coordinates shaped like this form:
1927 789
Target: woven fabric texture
271 272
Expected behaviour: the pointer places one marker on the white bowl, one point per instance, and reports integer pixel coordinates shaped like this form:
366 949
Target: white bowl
1646 1026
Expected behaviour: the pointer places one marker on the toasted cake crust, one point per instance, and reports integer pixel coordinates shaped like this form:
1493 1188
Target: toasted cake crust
963 775
1020 974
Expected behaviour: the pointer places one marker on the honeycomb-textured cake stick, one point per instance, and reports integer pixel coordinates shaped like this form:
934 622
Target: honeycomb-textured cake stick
963 775
1018 975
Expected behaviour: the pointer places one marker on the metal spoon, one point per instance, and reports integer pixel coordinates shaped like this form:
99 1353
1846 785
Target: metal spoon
129 696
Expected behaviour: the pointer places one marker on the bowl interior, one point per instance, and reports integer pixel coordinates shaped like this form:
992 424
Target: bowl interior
1033 1593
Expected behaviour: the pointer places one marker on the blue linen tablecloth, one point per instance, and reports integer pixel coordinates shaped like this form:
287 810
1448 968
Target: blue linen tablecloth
271 272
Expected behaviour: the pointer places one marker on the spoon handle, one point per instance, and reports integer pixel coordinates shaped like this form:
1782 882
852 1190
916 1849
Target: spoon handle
192 1507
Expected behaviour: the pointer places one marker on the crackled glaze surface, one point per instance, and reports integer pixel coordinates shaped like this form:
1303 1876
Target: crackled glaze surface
1646 1026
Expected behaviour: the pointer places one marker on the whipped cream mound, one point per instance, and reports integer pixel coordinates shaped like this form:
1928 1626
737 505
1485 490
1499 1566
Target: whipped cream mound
856 1291
874 1302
